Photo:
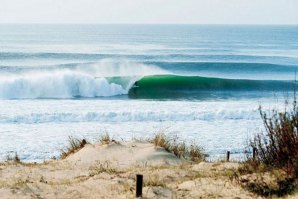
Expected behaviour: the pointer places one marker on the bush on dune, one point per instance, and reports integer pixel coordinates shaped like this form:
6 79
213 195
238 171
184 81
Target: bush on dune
278 147
276 153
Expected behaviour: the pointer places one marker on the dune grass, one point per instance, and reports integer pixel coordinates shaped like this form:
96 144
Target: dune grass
105 138
74 145
180 149
103 167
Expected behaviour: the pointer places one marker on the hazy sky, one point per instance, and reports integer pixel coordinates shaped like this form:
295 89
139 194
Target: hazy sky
150 11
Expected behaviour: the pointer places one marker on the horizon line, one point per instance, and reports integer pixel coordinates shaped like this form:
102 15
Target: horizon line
215 24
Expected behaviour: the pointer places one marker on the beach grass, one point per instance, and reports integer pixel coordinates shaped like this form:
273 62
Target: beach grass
74 145
179 148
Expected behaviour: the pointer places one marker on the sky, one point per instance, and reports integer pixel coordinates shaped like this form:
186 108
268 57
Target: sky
150 11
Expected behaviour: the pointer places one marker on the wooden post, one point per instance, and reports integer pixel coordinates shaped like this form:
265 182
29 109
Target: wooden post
254 151
228 156
139 185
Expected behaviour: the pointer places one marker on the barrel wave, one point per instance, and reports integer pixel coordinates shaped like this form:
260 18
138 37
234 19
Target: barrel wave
72 84
172 86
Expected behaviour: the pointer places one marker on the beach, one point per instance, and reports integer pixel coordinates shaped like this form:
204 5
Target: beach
109 171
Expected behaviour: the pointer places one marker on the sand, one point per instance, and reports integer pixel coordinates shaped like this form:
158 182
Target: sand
108 171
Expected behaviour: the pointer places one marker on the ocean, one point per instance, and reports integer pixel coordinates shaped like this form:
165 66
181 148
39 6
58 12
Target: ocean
201 83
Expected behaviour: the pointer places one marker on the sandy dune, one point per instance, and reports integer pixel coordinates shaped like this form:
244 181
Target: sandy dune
108 171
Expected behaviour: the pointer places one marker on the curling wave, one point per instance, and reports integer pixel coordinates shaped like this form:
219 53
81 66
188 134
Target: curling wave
74 84
172 86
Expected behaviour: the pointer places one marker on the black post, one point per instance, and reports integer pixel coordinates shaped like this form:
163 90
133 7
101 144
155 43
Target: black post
254 151
139 186
228 156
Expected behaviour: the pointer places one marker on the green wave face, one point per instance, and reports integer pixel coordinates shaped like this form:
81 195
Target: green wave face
171 86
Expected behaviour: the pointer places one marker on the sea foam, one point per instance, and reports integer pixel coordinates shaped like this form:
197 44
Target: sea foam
57 85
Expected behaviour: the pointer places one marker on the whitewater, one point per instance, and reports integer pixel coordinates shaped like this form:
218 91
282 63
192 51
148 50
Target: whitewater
200 83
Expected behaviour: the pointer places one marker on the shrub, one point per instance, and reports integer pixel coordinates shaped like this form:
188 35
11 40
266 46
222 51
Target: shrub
276 152
278 147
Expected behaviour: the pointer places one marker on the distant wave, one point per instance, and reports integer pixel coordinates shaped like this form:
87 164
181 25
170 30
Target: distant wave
235 67
235 70
160 56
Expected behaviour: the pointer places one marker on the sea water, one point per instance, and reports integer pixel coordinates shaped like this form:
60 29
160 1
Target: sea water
201 83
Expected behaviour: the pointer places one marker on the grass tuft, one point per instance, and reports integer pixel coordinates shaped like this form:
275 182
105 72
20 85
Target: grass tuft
103 167
179 148
153 180
105 139
196 152
75 145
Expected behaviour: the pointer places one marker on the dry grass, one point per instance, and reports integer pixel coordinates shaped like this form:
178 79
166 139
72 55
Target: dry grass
196 152
160 139
259 180
103 167
154 180
105 139
178 148
75 145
